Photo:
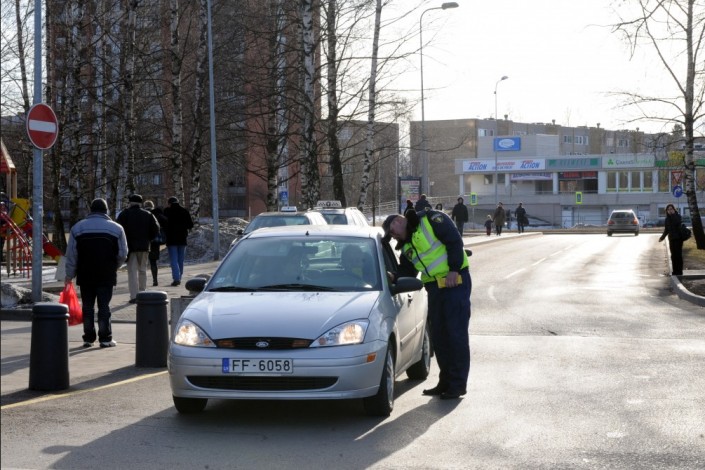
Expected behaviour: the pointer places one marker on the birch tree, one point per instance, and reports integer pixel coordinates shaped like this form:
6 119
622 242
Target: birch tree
310 177
675 31
177 181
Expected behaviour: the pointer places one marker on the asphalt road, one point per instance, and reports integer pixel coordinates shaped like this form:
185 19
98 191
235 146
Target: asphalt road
582 357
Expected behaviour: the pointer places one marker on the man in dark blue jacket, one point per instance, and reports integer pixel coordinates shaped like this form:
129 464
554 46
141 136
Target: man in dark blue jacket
179 222
140 229
97 248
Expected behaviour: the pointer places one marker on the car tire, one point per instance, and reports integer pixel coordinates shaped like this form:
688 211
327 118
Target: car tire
420 370
609 234
636 234
382 403
189 405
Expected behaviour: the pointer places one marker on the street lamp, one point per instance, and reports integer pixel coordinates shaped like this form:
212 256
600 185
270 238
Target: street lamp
424 147
496 131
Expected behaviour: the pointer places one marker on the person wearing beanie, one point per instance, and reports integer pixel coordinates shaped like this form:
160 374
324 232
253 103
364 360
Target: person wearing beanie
422 204
460 215
140 229
430 244
97 247
157 242
409 207
179 222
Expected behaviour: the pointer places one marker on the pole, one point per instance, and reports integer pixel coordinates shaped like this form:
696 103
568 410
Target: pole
37 171
214 158
425 183
494 147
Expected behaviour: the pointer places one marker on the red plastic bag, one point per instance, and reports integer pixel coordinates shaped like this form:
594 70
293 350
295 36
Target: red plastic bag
69 298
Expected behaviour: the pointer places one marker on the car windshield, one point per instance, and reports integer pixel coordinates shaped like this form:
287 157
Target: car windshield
299 264
276 221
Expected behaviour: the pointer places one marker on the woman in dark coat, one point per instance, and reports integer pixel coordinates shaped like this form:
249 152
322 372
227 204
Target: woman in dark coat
672 229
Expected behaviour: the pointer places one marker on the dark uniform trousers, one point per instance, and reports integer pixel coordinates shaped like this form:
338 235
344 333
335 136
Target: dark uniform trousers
449 321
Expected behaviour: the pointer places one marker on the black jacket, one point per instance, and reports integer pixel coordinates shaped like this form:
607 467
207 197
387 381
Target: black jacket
140 227
179 222
672 227
460 212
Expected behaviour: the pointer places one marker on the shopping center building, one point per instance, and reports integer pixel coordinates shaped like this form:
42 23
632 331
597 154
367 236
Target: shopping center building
564 175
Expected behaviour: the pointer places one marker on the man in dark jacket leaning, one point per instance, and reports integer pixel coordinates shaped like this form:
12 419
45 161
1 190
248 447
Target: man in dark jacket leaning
179 222
140 228
97 248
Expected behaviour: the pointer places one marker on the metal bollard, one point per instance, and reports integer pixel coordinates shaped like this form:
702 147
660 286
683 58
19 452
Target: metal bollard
152 329
49 350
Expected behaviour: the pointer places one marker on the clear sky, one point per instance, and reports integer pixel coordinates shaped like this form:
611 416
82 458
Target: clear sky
561 57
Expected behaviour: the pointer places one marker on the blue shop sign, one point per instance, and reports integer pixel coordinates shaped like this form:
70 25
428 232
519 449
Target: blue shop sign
507 144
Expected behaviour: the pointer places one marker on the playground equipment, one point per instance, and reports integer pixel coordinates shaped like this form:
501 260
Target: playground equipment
16 238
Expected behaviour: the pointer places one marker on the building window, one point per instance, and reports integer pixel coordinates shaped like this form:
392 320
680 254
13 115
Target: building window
567 139
581 139
485 132
489 179
623 143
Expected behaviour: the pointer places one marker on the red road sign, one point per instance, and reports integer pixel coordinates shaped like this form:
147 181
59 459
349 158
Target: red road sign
42 126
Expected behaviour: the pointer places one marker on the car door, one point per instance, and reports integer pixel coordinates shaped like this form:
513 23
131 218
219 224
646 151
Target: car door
410 314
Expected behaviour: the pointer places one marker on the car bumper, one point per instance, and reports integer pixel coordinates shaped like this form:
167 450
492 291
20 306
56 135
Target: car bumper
341 372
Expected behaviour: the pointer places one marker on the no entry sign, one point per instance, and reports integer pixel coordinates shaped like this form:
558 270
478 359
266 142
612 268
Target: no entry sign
42 126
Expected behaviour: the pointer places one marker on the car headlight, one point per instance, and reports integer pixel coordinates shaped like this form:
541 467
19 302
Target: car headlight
348 333
190 334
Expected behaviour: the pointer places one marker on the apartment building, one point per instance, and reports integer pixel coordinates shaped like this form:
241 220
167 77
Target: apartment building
564 175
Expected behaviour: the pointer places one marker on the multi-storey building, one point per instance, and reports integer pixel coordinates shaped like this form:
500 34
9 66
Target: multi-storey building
564 175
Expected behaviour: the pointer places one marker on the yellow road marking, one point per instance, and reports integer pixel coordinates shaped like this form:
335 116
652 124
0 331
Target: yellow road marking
78 392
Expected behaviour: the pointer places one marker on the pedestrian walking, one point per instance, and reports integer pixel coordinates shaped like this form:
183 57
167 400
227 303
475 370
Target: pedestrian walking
460 214
409 207
155 245
520 214
498 219
179 222
488 225
97 247
430 244
672 230
422 204
140 229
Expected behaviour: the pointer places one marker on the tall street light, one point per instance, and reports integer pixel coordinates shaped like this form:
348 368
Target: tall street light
425 186
496 131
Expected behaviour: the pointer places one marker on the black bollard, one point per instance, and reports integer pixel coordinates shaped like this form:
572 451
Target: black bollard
152 329
49 350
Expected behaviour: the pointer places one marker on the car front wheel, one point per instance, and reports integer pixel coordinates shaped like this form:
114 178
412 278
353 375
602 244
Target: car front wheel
189 405
420 370
382 403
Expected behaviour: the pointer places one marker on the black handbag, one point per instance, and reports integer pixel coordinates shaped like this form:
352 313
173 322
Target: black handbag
685 232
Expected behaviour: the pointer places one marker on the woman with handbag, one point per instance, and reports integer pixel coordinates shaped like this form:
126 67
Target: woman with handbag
157 242
672 229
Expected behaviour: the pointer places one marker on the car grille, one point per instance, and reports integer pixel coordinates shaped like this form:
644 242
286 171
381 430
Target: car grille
258 343
264 384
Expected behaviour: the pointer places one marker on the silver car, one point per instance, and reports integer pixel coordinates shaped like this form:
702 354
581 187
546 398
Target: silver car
302 312
623 221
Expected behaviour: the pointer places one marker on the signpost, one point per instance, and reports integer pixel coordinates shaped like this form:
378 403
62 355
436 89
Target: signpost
42 126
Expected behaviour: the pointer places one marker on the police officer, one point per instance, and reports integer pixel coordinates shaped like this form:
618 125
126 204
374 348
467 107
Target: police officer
431 244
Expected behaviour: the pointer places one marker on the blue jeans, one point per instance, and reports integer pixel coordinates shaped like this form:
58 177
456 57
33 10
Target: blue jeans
176 258
89 295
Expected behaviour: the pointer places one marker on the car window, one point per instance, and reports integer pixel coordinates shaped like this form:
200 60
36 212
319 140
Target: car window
298 263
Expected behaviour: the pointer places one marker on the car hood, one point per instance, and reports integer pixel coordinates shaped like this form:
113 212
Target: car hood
277 314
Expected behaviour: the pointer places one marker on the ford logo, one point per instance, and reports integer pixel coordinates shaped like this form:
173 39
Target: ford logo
262 344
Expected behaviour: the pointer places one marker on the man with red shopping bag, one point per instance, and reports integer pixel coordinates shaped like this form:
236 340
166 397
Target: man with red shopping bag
97 248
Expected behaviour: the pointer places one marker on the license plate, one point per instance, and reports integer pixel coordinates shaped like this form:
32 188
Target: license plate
258 366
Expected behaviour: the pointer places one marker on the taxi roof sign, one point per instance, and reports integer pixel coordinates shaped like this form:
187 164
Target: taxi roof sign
329 204
288 209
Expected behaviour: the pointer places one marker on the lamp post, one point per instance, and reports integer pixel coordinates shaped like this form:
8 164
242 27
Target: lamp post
496 131
425 187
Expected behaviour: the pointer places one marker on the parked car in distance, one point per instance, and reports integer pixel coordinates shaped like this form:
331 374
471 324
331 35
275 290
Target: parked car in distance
301 313
336 214
286 216
622 221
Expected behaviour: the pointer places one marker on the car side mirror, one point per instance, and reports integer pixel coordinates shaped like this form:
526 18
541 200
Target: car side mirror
196 285
406 284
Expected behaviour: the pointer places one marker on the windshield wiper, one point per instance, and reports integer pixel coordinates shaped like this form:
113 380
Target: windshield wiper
297 286
231 289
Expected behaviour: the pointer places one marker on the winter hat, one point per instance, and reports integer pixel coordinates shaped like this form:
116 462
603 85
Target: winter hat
99 205
149 205
173 200
136 198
